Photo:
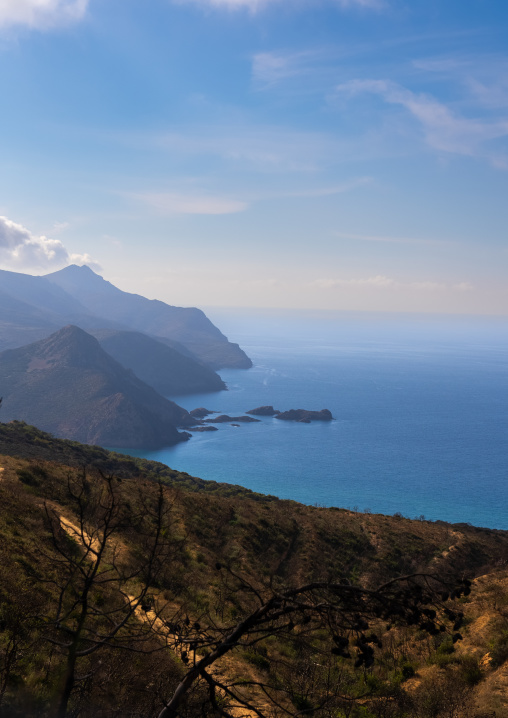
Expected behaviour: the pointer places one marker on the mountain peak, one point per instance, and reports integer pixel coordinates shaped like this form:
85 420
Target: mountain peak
75 271
81 268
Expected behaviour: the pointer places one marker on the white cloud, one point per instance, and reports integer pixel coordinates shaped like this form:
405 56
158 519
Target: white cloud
444 130
41 14
173 203
22 250
255 5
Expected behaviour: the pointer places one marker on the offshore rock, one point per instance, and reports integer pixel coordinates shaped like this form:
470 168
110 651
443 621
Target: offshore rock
263 411
225 419
305 416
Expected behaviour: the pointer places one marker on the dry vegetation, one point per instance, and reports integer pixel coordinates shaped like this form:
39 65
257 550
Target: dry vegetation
186 560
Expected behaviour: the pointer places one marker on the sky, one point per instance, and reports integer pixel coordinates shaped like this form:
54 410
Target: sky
316 154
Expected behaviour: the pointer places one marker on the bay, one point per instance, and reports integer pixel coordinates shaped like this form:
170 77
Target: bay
419 404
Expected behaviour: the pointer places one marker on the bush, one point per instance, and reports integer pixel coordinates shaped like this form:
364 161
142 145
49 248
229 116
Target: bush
257 660
499 652
27 477
470 671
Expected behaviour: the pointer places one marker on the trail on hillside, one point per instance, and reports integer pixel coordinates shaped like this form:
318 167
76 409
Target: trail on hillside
229 665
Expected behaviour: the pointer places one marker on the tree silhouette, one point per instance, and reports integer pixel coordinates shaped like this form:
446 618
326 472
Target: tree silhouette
331 625
99 590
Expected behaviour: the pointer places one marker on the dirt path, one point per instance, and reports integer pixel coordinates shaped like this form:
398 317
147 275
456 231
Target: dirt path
222 672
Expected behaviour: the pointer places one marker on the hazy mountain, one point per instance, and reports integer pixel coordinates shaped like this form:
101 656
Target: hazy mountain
189 326
165 369
68 385
32 307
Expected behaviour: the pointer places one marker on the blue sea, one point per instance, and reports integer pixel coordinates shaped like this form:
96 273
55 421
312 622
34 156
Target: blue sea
419 404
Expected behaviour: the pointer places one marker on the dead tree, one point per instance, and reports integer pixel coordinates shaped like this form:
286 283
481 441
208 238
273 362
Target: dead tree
335 622
100 588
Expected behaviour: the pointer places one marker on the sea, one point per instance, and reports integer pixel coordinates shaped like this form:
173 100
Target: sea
419 404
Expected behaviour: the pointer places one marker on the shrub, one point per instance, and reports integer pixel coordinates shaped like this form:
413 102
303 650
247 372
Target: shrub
470 671
27 477
499 651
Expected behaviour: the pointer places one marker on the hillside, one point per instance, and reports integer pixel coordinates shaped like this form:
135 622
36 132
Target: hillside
68 385
159 365
219 555
189 326
33 307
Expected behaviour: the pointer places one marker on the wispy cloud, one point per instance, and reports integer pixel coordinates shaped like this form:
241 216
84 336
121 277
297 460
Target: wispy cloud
381 281
255 5
269 68
20 249
41 14
263 148
387 239
443 129
329 191
483 77
173 203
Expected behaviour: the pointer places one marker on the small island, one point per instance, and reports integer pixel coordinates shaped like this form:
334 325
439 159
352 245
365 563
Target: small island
225 419
304 416
263 411
201 412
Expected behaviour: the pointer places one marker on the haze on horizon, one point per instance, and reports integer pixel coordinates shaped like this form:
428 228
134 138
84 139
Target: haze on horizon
320 154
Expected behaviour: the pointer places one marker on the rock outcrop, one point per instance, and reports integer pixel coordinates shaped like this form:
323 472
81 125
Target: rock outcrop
263 411
225 419
305 416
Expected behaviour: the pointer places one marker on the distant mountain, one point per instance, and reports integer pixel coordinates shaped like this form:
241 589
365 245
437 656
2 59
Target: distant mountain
68 385
189 326
32 308
165 369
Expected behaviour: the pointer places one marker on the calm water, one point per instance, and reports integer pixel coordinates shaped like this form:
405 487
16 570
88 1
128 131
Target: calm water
420 407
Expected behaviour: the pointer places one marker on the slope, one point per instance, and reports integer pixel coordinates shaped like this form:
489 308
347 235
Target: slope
269 543
160 366
68 385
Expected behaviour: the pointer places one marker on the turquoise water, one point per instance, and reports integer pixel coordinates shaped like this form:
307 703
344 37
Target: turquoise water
420 407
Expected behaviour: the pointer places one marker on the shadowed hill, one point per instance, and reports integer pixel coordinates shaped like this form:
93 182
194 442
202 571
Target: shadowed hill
160 366
68 385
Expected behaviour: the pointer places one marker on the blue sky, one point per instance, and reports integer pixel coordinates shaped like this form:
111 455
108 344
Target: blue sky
335 154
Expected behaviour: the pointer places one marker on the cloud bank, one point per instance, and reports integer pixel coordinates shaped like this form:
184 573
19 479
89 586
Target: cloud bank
20 250
41 14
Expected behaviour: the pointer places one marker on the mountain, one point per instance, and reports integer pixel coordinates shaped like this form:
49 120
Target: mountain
189 326
160 366
68 385
31 308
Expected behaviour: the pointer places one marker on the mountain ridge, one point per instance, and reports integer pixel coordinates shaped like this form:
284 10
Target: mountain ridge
77 295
